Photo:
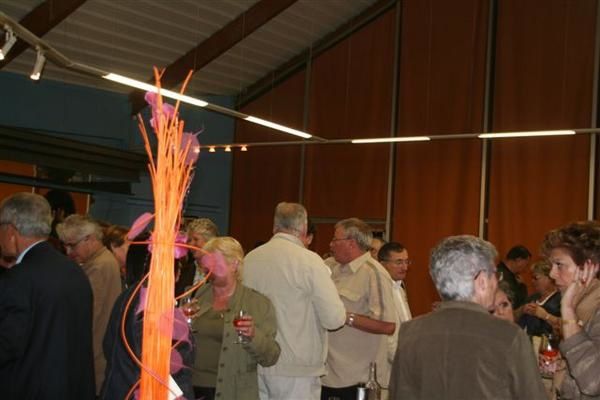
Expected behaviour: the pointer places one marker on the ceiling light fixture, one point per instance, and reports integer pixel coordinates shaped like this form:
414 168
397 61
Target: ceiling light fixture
9 41
211 149
244 148
39 65
393 139
524 134
228 149
278 127
123 80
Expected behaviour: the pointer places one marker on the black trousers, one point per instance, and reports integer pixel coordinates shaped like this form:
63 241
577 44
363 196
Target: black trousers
345 393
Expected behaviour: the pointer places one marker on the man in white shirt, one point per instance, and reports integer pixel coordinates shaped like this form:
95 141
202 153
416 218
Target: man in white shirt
394 258
298 283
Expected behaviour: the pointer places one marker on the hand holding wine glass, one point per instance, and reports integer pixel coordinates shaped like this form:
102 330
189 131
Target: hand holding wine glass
189 308
244 325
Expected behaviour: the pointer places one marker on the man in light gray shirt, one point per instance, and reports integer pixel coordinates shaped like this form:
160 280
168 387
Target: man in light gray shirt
298 283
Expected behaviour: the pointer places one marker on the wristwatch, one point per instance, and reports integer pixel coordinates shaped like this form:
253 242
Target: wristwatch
351 318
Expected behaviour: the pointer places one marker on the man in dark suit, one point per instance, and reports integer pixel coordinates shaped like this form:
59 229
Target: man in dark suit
45 310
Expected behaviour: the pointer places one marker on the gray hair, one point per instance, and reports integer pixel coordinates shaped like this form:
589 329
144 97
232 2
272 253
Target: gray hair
203 227
290 218
358 230
77 226
456 261
29 213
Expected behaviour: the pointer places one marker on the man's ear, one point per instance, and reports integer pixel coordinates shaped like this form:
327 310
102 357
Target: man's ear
480 283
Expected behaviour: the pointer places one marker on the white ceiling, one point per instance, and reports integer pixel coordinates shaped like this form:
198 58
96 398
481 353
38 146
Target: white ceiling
128 37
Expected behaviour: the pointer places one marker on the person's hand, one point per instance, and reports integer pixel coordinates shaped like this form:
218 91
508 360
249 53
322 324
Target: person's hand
541 313
530 308
246 326
583 277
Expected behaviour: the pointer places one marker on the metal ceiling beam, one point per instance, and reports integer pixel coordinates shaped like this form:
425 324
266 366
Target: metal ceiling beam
299 61
211 48
42 20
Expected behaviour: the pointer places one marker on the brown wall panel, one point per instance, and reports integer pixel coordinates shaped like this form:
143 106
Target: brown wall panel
264 176
441 90
544 75
351 96
12 167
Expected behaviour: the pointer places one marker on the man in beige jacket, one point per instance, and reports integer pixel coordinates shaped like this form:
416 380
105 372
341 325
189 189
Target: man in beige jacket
82 238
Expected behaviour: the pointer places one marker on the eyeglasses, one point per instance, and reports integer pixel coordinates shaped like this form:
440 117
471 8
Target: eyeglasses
71 246
400 261
339 239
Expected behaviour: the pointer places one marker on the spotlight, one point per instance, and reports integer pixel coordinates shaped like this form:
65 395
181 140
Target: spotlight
39 65
244 148
211 149
9 41
228 149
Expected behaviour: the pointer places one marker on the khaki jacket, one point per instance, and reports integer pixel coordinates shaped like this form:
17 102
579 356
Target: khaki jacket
236 377
102 270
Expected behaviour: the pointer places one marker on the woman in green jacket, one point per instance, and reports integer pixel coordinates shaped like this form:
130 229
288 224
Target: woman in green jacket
224 369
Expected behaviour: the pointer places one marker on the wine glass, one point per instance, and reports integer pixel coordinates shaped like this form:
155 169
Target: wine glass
241 338
189 308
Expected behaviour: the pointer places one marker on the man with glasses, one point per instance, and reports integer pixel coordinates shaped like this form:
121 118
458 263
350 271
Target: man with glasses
45 310
366 291
460 350
82 239
394 258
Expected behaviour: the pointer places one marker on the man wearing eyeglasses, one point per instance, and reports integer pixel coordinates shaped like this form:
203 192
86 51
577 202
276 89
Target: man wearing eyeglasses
82 239
460 351
394 258
366 291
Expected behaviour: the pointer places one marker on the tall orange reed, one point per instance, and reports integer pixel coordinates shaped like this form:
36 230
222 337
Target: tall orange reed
170 176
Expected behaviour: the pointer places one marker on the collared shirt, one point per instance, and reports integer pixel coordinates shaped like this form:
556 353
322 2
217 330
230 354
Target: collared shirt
365 287
20 258
460 351
401 301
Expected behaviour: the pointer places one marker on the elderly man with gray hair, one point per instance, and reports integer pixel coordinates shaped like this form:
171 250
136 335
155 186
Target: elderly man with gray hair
82 238
297 282
45 310
460 351
365 288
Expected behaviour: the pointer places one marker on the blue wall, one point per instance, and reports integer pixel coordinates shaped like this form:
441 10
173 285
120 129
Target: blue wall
103 117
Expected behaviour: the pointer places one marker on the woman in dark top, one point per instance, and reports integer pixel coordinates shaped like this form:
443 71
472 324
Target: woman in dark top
122 372
541 311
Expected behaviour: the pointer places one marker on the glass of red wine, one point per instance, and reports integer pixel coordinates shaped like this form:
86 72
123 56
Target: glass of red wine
241 316
189 308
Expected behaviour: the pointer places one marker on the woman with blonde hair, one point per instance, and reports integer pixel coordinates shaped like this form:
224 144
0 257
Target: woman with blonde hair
225 368
541 312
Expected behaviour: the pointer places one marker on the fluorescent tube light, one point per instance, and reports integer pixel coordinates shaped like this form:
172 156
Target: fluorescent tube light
151 88
282 128
393 139
524 134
